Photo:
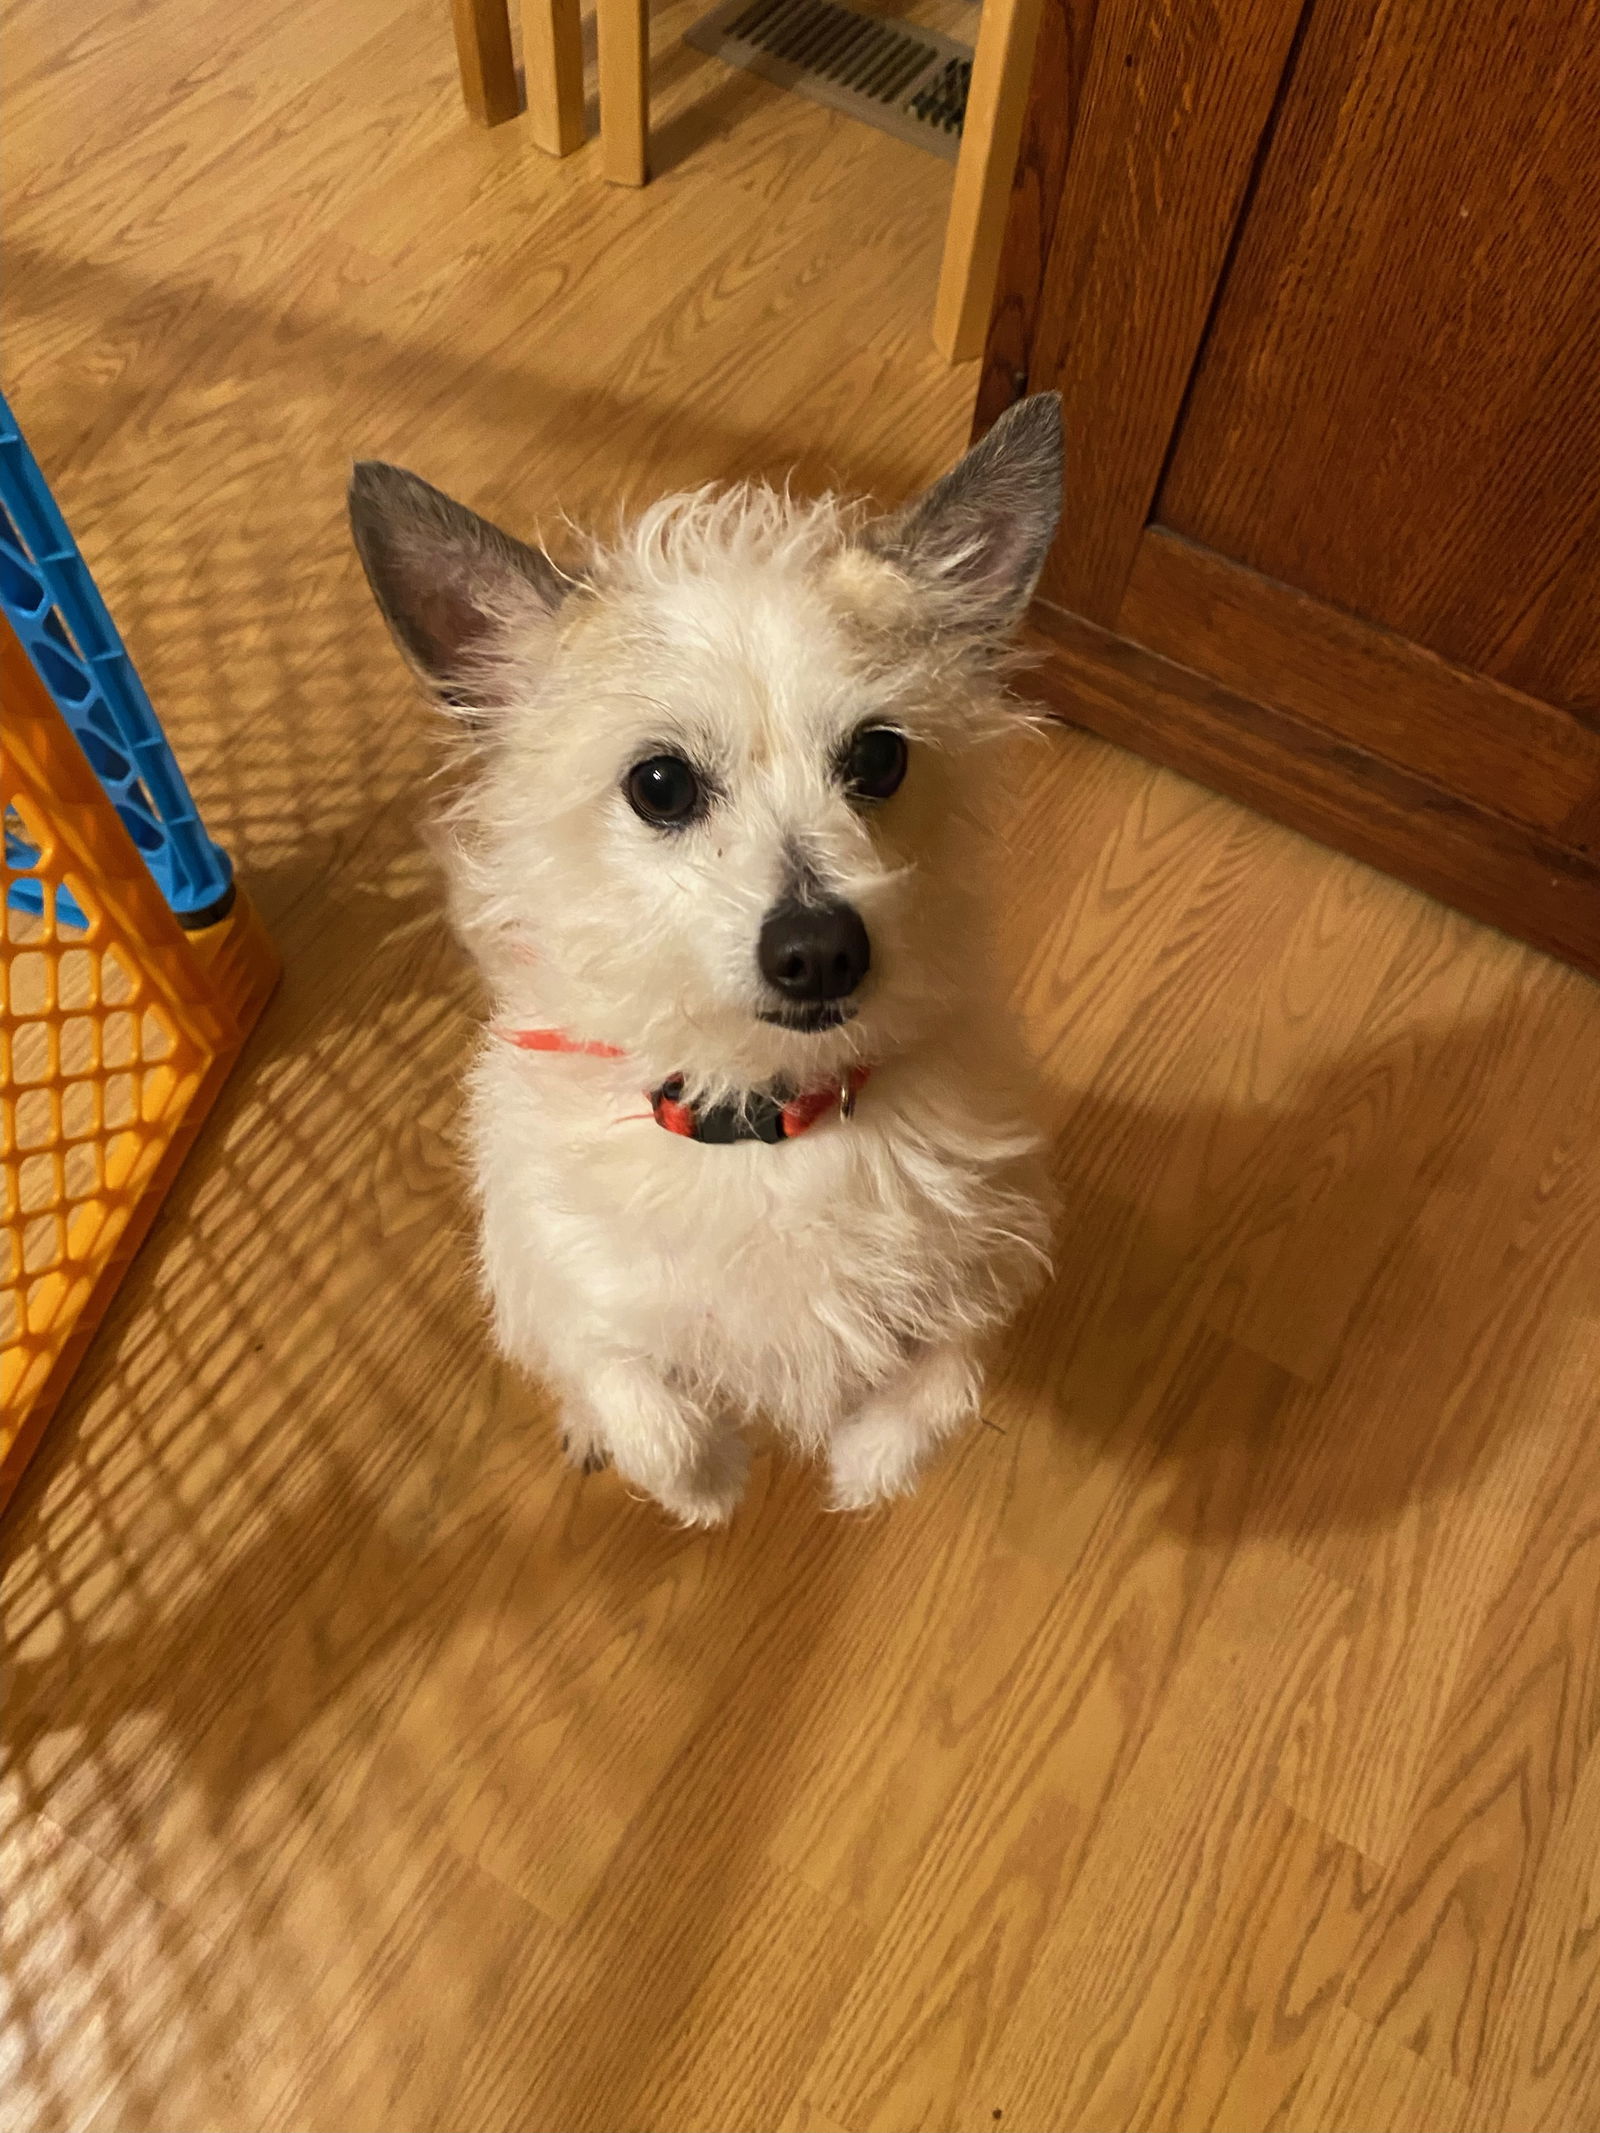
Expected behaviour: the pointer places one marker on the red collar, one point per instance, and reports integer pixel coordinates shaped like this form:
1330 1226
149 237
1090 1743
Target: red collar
764 1115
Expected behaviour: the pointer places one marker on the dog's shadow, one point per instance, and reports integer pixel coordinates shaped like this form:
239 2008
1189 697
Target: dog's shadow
1284 1303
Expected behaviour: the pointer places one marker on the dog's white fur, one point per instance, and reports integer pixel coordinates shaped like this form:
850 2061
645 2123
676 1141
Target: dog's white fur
839 1284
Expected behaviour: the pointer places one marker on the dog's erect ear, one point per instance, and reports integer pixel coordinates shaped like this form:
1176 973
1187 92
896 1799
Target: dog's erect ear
978 539
445 579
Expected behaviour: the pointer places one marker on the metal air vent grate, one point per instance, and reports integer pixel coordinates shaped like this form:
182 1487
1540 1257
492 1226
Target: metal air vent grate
908 82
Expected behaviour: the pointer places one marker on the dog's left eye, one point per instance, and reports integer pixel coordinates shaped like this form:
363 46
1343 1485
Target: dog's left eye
666 791
874 764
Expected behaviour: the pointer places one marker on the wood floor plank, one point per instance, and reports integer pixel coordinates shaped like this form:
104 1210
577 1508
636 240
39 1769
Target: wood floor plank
1541 2066
880 1775
1524 1718
1267 1975
69 1923
1104 2031
1359 2078
965 1937
1429 1580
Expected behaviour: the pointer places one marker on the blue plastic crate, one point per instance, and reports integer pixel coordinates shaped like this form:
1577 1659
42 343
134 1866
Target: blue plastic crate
51 601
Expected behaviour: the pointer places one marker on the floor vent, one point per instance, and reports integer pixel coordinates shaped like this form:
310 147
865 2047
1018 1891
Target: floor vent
910 82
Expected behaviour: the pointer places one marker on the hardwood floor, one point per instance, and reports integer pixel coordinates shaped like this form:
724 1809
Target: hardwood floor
1212 1743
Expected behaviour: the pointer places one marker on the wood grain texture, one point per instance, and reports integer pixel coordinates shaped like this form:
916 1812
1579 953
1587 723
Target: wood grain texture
1359 2077
1541 2071
483 53
1439 1972
1398 408
1507 754
1499 870
1174 104
1049 120
1211 1743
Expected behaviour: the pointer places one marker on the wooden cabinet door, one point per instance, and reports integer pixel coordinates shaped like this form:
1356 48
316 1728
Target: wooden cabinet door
1320 287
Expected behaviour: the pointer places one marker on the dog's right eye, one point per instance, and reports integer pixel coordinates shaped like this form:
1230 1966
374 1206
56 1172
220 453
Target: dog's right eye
666 791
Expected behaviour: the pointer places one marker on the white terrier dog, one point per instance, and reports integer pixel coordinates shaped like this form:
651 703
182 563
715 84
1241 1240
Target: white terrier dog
715 856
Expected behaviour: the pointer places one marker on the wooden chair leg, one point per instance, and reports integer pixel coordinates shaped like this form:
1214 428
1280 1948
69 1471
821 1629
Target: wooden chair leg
624 27
483 48
552 64
996 100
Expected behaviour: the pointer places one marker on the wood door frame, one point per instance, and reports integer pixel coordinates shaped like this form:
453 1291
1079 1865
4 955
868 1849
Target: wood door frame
1145 133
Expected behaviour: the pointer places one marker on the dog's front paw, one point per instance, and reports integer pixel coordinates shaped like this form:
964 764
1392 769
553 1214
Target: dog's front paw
582 1445
584 1454
874 1459
709 1492
881 1450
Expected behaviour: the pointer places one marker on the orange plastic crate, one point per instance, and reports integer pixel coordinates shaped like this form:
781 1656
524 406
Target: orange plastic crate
115 1036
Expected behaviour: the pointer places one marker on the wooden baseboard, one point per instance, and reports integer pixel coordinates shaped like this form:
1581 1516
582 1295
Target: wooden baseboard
1507 873
1531 762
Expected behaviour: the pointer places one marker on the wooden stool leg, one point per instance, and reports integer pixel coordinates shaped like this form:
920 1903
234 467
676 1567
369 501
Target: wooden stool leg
624 27
483 49
996 100
552 64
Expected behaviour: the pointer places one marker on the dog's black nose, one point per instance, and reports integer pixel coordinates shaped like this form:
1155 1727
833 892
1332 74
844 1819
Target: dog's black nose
814 951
